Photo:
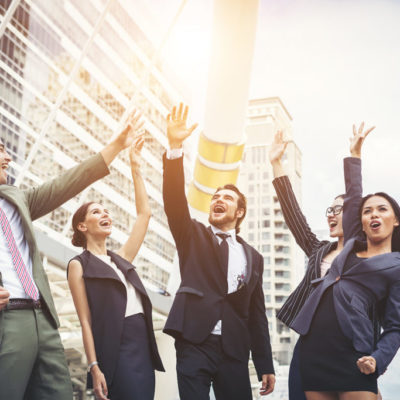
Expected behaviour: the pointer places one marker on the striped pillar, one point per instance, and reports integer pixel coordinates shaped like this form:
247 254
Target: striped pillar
221 144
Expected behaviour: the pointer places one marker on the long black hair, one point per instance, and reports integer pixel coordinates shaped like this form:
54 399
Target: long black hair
396 210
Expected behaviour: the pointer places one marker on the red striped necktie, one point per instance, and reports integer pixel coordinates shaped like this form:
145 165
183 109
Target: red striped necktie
19 265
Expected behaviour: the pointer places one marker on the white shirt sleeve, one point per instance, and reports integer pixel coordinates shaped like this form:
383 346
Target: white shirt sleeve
172 154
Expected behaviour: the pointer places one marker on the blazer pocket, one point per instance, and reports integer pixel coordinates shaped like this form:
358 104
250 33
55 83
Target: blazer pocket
187 289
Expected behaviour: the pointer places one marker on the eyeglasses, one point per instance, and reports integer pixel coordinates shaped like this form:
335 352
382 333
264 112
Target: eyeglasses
333 210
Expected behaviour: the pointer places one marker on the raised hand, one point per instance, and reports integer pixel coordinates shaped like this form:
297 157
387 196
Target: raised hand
129 133
278 147
357 140
177 131
366 365
124 139
135 156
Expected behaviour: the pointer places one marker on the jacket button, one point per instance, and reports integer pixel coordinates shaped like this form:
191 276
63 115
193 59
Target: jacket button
337 278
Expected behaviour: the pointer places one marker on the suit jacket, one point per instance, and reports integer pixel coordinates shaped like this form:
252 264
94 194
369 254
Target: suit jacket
202 297
314 248
356 290
35 202
107 302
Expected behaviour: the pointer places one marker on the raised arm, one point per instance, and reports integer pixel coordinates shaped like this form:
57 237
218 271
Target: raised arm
50 195
353 181
143 211
175 202
294 218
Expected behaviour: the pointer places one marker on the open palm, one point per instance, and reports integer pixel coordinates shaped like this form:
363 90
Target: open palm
177 131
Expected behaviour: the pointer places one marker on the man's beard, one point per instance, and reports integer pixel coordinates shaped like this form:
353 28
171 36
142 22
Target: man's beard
220 222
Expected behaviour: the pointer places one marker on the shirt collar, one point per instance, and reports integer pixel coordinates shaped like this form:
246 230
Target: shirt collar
232 232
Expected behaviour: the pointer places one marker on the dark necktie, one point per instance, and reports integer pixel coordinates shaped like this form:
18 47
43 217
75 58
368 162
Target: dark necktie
224 249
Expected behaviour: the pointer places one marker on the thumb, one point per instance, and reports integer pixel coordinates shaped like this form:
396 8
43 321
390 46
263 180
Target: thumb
192 128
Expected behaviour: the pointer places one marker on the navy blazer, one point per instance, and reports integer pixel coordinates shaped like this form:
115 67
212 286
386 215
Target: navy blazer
107 303
355 291
202 297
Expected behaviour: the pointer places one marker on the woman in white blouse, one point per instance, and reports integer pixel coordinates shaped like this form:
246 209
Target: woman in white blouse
112 304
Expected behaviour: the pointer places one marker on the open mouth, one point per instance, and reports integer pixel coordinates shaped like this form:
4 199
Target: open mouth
375 224
105 223
332 224
219 209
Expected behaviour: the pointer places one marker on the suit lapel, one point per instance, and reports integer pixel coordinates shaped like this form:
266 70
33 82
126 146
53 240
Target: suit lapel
321 253
129 271
249 259
374 264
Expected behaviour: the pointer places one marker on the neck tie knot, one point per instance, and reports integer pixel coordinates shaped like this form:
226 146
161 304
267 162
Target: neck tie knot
223 236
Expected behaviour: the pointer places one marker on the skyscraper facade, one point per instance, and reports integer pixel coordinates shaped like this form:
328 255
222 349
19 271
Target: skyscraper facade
70 71
264 226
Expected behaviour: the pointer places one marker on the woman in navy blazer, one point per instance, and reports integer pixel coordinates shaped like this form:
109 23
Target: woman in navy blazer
338 357
113 307
320 253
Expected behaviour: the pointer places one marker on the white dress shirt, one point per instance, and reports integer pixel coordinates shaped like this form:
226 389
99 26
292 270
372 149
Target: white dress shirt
133 300
10 277
237 266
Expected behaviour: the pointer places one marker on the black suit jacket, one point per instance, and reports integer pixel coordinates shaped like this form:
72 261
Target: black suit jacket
107 302
202 299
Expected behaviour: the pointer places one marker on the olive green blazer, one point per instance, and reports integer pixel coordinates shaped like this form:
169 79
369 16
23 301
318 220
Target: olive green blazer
35 202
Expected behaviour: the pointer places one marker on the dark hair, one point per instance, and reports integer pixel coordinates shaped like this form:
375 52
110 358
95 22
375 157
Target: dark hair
396 210
78 238
242 202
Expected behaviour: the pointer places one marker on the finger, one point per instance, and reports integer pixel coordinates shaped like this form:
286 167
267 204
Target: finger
368 131
173 113
361 128
354 130
192 128
169 118
179 115
105 389
185 113
140 144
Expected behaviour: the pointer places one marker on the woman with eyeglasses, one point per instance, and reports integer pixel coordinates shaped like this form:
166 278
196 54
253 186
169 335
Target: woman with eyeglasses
113 307
320 253
338 356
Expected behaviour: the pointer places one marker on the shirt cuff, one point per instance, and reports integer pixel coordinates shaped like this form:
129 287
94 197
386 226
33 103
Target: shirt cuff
172 154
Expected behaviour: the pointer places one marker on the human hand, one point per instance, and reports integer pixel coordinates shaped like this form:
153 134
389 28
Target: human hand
99 383
267 384
277 148
4 297
135 156
177 131
357 140
133 124
367 365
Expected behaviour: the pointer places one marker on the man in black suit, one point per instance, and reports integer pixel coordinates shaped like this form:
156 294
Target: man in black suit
218 314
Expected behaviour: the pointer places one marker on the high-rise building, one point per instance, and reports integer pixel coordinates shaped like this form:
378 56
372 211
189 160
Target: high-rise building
70 70
264 226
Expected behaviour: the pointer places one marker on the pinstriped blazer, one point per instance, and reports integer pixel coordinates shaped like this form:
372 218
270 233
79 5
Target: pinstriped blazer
314 248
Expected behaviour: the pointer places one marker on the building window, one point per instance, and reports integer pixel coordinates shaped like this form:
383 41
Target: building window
265 223
266 248
267 260
266 235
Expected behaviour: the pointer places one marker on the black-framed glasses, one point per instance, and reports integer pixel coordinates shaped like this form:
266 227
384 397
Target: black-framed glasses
333 210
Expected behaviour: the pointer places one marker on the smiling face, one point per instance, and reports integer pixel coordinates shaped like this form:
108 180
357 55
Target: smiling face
5 159
378 219
335 220
224 210
97 223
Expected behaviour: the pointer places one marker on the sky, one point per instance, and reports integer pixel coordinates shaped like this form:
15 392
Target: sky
332 62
